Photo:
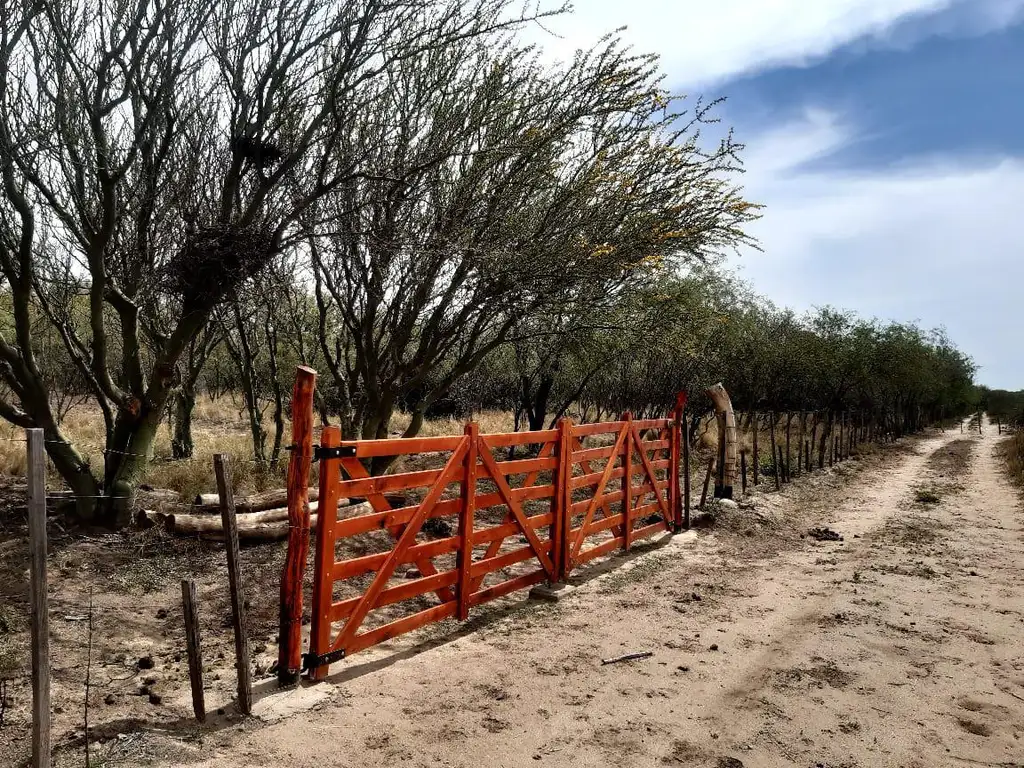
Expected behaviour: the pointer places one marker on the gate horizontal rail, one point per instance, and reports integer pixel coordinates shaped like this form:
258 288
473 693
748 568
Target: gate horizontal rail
478 523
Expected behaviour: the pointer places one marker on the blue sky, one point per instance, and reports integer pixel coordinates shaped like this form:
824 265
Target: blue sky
886 139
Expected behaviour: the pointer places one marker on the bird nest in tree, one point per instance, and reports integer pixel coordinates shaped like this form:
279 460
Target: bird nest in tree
215 261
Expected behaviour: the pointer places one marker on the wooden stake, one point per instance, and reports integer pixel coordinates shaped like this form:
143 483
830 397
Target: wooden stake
38 596
743 472
222 468
685 437
190 604
707 481
757 455
775 454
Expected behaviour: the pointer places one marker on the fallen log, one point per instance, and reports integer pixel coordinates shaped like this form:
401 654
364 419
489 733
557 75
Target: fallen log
257 502
268 525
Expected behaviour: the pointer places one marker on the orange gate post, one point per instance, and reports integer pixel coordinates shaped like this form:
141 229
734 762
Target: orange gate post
627 482
675 456
289 656
562 500
467 505
323 564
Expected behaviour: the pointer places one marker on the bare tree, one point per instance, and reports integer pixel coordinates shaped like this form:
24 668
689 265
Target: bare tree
157 154
507 190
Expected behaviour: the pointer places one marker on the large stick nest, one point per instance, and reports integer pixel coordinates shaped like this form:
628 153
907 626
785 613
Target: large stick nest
215 261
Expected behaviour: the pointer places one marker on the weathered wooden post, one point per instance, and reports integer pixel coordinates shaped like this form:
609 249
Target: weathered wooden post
222 469
467 507
727 448
40 614
193 643
757 455
289 658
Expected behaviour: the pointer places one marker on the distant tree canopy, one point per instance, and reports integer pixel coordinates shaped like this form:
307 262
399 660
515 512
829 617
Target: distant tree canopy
198 196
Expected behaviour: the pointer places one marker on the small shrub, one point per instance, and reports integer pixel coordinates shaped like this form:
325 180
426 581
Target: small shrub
927 496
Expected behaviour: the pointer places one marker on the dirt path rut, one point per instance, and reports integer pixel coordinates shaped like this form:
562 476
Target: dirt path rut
900 645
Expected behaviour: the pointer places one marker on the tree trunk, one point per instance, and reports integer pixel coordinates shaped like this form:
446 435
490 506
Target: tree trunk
182 446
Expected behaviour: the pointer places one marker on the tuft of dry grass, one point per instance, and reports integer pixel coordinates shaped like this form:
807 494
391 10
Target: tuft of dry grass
1012 449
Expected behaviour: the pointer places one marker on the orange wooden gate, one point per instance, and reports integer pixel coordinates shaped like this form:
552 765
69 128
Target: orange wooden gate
460 523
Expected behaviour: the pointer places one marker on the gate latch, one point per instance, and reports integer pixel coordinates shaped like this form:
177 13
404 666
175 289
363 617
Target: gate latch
321 452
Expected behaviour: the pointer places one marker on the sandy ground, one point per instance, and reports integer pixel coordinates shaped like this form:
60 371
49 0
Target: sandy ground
900 645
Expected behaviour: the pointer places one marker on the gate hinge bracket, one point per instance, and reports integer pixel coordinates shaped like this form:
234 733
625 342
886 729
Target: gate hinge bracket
313 660
321 452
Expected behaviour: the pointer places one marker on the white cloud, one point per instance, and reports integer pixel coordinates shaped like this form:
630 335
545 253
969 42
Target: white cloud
934 242
704 42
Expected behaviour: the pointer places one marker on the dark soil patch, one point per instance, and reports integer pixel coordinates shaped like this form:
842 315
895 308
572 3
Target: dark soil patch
824 534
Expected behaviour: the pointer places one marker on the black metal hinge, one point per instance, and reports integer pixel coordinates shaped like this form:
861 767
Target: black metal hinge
313 660
338 452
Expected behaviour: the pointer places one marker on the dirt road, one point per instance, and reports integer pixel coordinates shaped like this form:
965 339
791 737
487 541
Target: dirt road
900 645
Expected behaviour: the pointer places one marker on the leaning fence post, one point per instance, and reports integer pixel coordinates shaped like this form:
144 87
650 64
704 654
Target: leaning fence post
38 594
323 560
467 506
222 469
289 656
707 481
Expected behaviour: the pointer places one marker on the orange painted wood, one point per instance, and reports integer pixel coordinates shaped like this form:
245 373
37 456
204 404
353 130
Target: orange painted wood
652 476
517 510
400 627
357 566
675 456
402 446
656 445
405 542
560 504
650 530
652 423
606 501
604 524
386 483
323 562
585 481
405 591
503 531
601 549
485 501
355 470
627 481
505 439
466 516
483 567
506 587
523 466
595 501
289 657
603 428
592 454
374 521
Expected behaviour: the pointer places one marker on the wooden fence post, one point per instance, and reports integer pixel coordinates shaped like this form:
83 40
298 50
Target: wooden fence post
775 453
563 498
323 559
40 614
684 435
627 482
757 455
289 658
190 604
707 481
675 451
467 507
222 469
743 471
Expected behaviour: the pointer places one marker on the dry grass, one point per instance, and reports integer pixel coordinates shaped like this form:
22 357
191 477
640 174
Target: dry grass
1012 449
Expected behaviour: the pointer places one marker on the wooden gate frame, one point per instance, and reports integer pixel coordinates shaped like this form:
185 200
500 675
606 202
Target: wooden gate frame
470 461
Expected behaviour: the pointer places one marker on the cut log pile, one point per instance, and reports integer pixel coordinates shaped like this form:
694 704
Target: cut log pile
260 517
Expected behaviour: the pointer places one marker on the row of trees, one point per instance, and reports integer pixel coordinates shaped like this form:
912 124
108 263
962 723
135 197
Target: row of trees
399 193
